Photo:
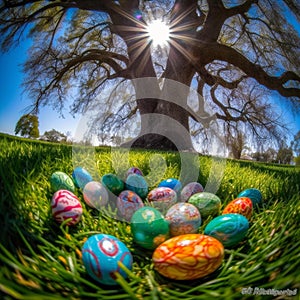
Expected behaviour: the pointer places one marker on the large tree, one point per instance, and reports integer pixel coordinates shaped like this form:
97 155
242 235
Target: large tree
225 49
28 126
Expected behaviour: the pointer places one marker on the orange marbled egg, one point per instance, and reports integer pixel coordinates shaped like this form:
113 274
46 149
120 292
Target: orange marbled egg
188 256
242 205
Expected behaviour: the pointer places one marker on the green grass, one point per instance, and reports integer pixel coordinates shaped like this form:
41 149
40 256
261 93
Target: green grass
40 259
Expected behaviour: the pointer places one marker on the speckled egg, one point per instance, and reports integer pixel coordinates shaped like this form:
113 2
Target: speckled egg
188 256
189 190
242 205
127 203
149 227
113 183
162 198
101 254
229 229
171 183
95 194
61 181
81 177
183 218
65 205
254 194
208 204
137 184
134 170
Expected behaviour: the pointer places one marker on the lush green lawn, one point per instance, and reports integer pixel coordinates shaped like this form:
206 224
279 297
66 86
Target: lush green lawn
41 260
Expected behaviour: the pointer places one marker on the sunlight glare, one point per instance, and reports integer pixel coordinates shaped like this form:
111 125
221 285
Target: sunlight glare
158 33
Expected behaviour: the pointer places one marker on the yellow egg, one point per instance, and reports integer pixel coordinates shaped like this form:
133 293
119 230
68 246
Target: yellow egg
188 256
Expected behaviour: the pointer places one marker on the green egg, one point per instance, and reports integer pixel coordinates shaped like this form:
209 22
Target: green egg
208 204
149 227
61 181
113 183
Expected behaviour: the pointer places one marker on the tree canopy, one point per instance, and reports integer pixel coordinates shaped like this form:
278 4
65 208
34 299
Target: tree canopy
235 54
28 126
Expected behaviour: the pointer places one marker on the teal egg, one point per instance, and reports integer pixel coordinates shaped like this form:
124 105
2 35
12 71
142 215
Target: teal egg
61 181
137 184
208 204
149 227
113 183
229 229
81 177
101 254
254 194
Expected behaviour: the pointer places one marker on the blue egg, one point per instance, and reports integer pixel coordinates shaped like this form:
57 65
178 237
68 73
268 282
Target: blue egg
171 183
254 194
137 184
229 229
100 256
81 177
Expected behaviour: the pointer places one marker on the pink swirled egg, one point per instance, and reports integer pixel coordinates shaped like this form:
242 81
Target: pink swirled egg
188 256
162 198
242 205
65 205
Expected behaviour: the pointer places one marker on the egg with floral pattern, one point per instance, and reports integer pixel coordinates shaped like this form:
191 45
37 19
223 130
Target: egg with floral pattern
188 256
242 205
183 218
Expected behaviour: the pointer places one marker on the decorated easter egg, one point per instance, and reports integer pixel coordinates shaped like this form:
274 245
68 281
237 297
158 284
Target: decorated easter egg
81 177
127 203
101 254
113 183
183 218
134 170
242 205
61 181
208 204
189 190
162 198
254 194
95 194
188 256
137 184
229 229
171 183
149 227
65 205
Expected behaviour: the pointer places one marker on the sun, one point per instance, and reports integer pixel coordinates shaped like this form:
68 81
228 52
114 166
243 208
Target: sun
159 33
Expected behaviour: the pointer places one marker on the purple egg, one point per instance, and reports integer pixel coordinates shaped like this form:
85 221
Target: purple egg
134 170
127 203
189 190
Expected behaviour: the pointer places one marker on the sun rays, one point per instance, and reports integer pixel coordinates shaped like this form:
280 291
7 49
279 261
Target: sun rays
153 32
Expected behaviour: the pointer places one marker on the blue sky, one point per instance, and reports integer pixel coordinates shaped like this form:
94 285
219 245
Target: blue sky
13 101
